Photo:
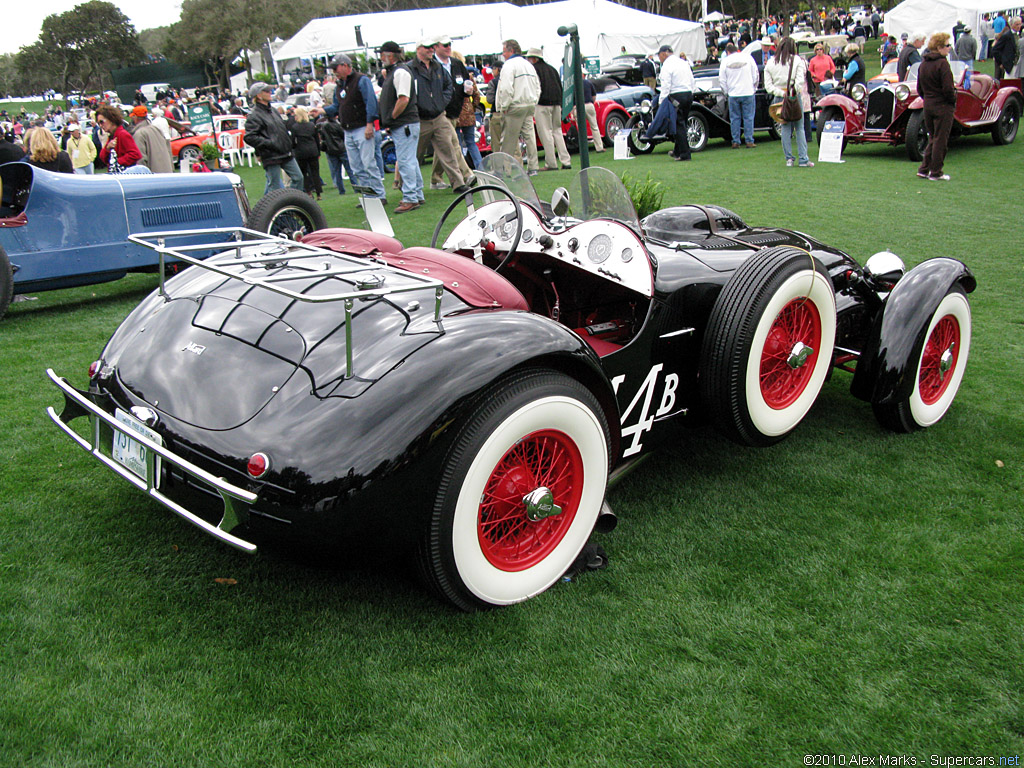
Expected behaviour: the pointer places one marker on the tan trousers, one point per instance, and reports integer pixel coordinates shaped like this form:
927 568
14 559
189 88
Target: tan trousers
595 131
435 174
519 125
549 130
494 125
438 133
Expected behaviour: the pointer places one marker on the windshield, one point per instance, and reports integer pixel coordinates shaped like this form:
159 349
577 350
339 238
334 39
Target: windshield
597 193
509 172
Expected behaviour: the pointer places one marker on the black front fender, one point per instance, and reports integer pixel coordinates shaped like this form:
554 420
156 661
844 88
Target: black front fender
885 370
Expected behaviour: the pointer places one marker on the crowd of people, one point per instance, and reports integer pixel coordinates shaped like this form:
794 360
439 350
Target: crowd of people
429 102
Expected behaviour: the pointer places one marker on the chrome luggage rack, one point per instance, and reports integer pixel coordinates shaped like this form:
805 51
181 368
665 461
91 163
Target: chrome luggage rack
275 251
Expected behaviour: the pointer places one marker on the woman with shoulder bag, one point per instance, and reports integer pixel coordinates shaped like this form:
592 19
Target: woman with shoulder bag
785 78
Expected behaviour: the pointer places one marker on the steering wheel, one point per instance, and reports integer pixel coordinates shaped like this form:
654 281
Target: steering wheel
485 188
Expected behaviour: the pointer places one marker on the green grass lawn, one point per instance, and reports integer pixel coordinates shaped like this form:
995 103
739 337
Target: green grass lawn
846 591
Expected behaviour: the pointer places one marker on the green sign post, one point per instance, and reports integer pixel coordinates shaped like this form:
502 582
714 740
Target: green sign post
201 118
593 65
573 88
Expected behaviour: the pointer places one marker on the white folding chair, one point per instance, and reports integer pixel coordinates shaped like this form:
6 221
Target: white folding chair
228 144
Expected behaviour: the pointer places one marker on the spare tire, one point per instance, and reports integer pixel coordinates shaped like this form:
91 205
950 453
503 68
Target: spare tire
285 213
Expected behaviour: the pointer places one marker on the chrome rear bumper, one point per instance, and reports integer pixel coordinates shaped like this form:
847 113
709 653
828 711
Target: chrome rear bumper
236 500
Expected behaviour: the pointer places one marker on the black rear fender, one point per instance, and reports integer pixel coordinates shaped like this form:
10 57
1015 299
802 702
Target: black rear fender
885 370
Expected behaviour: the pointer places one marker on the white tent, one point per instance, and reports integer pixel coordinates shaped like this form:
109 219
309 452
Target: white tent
928 16
715 16
463 23
480 29
605 28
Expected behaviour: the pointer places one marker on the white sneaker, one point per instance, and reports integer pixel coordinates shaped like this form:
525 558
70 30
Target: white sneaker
440 185
943 177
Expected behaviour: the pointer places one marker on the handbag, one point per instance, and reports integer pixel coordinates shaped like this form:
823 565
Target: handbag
792 109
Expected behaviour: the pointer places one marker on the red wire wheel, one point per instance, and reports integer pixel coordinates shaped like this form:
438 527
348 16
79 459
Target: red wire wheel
934 377
509 539
782 384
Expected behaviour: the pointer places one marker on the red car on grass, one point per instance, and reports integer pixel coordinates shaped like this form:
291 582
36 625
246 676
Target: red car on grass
893 113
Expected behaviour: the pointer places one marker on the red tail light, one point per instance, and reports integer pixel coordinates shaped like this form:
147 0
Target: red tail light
94 368
258 465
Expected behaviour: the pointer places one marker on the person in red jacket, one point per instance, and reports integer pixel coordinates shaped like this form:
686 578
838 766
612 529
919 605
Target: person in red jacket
120 151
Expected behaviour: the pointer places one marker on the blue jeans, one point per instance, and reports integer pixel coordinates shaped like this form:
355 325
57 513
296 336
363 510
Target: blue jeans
274 175
741 118
407 139
336 163
378 141
467 139
788 129
85 169
362 160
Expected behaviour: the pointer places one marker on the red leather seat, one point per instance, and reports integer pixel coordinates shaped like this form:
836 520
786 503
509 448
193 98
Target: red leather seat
982 86
475 284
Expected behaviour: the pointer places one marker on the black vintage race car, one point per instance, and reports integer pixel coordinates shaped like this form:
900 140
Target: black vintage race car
469 404
708 118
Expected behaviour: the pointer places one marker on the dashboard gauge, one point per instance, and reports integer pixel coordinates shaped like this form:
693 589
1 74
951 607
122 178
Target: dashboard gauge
600 249
627 255
527 235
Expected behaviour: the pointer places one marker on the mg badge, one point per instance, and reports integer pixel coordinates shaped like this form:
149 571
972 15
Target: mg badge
195 349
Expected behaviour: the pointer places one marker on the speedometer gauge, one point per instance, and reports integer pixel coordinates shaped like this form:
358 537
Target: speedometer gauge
600 249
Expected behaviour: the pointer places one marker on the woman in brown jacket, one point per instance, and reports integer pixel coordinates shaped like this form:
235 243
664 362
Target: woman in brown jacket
935 86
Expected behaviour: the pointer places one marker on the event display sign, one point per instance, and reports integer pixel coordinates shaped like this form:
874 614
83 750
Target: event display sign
830 146
201 118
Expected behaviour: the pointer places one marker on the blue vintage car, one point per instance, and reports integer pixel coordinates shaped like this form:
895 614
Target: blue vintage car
62 230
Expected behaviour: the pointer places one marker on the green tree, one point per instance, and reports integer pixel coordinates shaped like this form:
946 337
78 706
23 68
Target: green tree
77 49
218 31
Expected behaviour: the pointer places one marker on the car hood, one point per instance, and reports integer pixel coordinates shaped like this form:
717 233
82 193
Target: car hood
217 351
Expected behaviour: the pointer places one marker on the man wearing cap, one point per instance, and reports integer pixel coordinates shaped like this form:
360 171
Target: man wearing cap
81 149
355 104
155 149
462 84
548 114
677 85
400 115
518 95
966 49
266 133
434 90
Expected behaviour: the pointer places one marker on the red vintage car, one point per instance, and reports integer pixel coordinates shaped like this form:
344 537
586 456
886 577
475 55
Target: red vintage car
893 113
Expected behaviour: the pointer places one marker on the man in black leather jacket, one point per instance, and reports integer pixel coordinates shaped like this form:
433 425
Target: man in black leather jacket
266 132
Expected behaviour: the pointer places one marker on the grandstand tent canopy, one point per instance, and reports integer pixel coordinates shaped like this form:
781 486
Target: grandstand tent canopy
928 16
480 30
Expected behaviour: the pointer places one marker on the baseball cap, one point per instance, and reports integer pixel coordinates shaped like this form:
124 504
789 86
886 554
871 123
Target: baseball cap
257 88
140 111
428 42
391 47
665 49
340 59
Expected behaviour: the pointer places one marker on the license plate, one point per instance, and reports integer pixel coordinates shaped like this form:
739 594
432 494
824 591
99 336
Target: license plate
132 454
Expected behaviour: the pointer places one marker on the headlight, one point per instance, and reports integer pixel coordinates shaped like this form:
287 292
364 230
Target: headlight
645 106
902 91
858 92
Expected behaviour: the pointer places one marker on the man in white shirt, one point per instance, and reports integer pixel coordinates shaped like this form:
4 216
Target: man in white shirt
677 85
738 77
517 98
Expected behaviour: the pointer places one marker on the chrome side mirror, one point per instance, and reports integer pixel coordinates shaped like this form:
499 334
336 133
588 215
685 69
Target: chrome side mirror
560 202
885 267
